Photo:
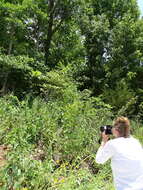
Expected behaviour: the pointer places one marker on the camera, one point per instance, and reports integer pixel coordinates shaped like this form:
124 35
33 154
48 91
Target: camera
107 129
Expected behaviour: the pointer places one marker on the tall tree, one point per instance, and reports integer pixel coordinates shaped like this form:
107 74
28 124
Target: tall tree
102 18
59 12
31 27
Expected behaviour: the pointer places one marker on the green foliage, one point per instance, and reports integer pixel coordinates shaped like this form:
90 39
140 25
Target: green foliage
113 37
53 144
121 98
100 42
49 135
15 75
66 68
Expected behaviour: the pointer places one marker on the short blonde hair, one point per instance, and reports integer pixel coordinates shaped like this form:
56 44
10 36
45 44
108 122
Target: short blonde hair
122 125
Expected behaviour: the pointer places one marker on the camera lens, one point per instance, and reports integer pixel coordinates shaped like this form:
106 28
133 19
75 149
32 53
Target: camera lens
107 129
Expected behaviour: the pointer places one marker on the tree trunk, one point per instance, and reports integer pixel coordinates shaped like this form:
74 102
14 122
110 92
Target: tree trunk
3 89
10 47
49 32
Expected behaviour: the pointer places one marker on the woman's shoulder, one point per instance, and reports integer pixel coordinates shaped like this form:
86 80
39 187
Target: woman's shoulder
136 141
122 140
119 140
130 138
116 139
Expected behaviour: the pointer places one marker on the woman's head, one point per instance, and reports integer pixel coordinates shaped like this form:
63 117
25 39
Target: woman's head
121 127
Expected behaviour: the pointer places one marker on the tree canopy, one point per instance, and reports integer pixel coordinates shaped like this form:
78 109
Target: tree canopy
100 41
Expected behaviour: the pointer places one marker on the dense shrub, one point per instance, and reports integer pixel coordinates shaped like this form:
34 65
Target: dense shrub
50 138
53 138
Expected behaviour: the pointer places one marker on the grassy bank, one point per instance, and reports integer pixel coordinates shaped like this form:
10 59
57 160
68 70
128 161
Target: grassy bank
52 145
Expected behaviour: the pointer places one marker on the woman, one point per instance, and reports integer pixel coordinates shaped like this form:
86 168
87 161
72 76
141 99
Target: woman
126 155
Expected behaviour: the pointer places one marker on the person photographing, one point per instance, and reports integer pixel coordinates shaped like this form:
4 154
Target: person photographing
126 154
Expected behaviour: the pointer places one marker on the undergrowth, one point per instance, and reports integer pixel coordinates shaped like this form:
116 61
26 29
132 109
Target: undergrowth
52 144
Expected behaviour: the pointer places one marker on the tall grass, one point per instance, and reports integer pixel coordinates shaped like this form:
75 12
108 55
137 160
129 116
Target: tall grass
53 144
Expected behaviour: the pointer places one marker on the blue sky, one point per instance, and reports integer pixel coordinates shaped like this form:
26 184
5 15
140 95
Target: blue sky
140 3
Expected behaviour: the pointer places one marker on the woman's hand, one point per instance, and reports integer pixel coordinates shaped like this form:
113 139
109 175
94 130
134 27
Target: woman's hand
105 138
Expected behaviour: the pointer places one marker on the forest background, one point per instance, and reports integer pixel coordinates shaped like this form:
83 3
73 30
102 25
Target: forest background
66 68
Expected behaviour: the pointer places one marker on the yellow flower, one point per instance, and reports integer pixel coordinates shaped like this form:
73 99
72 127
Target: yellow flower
57 161
62 180
56 180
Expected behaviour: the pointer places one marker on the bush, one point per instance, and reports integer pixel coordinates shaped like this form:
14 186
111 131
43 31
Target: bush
49 137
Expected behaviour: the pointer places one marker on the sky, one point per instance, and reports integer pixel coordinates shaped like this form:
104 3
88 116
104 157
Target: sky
140 3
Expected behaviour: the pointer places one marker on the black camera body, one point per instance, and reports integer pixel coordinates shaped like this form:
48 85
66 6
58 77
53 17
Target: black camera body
107 129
